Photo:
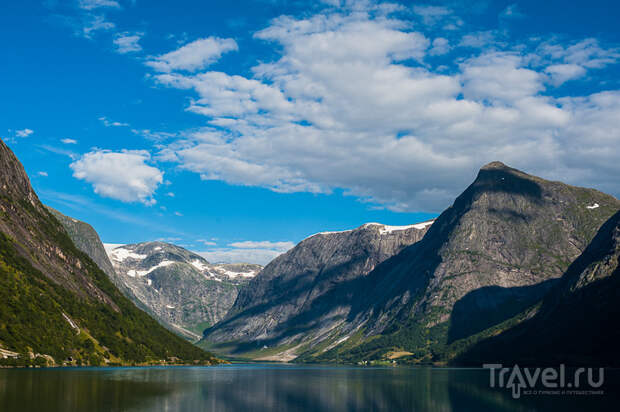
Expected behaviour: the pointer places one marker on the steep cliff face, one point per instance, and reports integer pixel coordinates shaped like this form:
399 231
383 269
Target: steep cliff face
577 322
54 300
181 289
496 251
86 239
304 295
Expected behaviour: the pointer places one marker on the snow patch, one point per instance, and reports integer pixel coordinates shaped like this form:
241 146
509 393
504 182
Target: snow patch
149 282
389 229
170 307
120 254
140 273
232 274
594 206
423 224
329 233
199 265
384 230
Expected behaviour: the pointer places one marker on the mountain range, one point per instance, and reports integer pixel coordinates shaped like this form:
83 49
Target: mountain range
518 269
495 253
56 305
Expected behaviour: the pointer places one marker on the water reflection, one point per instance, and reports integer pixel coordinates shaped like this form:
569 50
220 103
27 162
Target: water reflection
267 388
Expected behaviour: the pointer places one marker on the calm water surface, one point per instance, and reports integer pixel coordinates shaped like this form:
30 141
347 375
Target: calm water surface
274 388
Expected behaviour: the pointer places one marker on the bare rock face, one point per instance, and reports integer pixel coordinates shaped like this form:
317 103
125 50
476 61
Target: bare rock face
577 322
181 289
86 239
40 237
294 296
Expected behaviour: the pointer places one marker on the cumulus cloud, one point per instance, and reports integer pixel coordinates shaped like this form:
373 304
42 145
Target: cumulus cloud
261 252
193 56
127 42
353 103
69 141
124 175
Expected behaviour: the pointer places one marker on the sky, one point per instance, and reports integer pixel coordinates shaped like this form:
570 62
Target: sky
237 129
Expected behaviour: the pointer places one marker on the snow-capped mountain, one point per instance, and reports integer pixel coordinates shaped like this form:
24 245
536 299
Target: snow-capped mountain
180 288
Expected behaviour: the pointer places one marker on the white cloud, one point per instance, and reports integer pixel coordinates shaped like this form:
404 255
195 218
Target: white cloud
69 141
478 40
193 56
264 244
440 46
128 42
108 123
178 214
512 12
431 14
96 4
94 23
257 256
24 132
587 53
44 174
353 103
561 73
260 252
124 175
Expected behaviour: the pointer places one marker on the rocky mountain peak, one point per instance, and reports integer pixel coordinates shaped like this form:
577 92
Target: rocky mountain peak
179 287
13 180
495 165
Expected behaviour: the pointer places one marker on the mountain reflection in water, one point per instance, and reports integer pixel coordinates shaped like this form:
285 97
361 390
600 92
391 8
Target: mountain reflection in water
269 388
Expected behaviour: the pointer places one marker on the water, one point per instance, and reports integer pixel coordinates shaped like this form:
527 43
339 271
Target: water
250 388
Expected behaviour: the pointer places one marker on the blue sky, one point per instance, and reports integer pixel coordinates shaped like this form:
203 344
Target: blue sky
240 128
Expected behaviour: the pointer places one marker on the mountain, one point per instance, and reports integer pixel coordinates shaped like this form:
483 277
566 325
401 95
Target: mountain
496 251
301 297
577 322
86 239
56 304
179 288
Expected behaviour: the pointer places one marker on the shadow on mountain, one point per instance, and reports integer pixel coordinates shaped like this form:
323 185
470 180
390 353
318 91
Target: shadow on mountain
488 306
507 180
577 323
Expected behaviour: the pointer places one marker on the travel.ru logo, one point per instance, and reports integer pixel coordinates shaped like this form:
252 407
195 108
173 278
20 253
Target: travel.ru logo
547 381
